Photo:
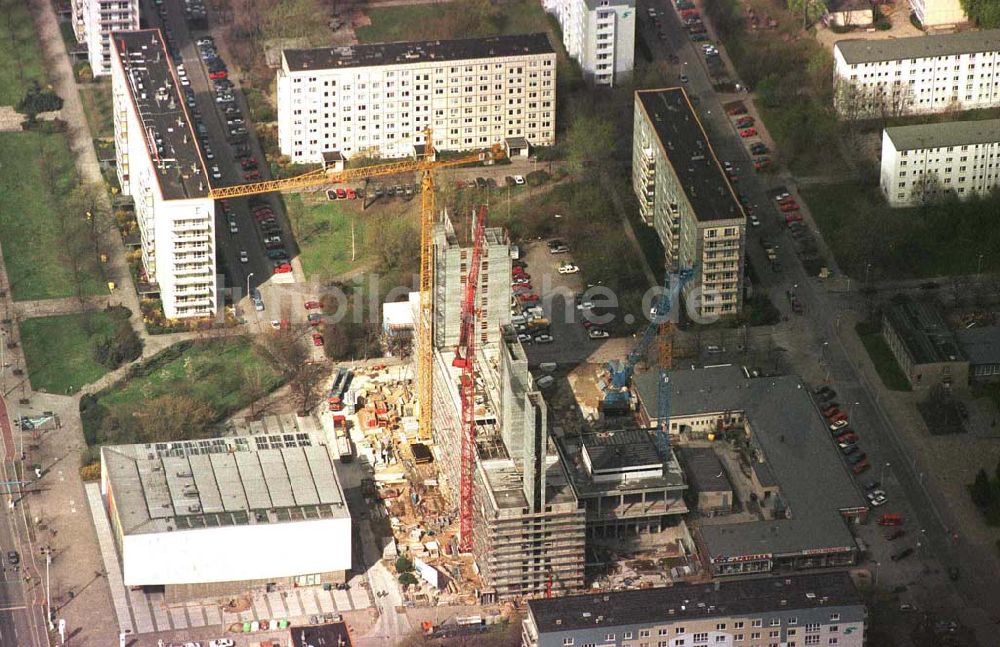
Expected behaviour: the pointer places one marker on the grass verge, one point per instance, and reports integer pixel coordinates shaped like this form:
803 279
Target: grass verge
20 58
941 239
59 350
885 364
96 99
207 376
452 20
323 233
37 172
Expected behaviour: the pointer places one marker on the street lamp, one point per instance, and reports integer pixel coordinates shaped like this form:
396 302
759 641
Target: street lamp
868 266
248 283
47 551
850 409
979 265
875 579
884 467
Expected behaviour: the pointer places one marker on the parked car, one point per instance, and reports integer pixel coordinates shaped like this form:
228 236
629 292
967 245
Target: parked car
848 437
313 305
597 333
528 297
244 257
251 176
748 132
901 555
518 180
317 339
568 268
876 498
745 122
315 319
544 339
856 458
759 148
863 466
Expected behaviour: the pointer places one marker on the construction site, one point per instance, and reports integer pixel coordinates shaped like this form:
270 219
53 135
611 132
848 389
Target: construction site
507 493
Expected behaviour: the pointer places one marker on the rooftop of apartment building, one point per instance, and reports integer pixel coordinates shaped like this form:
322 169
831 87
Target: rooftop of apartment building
856 51
376 54
799 457
630 453
231 481
944 135
704 469
155 93
924 332
683 601
690 154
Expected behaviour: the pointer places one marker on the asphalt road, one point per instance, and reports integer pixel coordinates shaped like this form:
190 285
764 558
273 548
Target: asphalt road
905 483
248 237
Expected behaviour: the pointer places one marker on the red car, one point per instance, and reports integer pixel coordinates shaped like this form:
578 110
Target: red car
832 411
283 268
526 286
739 109
837 418
341 194
351 195
250 176
749 132
262 216
317 339
848 437
313 305
791 205
861 466
248 162
527 297
890 519
761 163
793 216
218 74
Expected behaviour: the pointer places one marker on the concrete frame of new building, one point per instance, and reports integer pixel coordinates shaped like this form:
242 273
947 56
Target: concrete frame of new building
378 100
159 165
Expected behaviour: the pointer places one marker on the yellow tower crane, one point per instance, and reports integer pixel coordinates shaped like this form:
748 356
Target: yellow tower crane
425 165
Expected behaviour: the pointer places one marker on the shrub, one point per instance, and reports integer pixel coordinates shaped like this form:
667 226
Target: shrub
537 178
403 564
91 472
37 100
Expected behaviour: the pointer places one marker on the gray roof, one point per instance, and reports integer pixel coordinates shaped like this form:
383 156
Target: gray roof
923 332
691 155
981 344
724 598
857 51
704 469
154 90
347 56
236 480
616 450
942 135
796 445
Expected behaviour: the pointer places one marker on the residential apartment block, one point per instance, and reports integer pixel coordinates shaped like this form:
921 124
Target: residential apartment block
160 167
378 100
924 74
938 13
685 195
599 35
93 22
793 611
925 162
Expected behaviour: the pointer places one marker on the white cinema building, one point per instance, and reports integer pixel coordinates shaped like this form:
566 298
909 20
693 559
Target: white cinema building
206 518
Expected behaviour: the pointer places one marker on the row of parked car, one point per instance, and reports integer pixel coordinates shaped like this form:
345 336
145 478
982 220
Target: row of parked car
746 126
527 317
846 439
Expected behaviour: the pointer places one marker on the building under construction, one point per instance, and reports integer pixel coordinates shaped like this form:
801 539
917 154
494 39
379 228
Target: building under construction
528 532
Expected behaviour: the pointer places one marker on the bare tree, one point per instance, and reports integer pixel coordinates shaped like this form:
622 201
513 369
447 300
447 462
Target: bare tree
290 357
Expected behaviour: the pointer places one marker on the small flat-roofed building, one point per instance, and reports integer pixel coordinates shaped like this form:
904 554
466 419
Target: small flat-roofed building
897 76
808 496
938 13
927 162
981 346
378 100
160 166
630 490
709 485
924 346
815 609
224 515
685 196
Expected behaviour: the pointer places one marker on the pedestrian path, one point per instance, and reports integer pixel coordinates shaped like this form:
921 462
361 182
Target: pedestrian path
153 614
110 557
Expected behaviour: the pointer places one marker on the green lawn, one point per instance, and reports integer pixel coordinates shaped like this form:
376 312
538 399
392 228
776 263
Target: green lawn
936 240
37 169
59 350
323 233
885 364
96 99
20 58
210 372
452 20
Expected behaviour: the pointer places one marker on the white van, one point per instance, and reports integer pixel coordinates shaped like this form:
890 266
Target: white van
545 381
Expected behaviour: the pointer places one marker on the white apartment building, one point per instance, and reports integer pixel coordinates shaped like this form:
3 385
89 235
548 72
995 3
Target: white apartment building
938 13
93 22
685 195
377 100
160 167
599 35
927 161
924 74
